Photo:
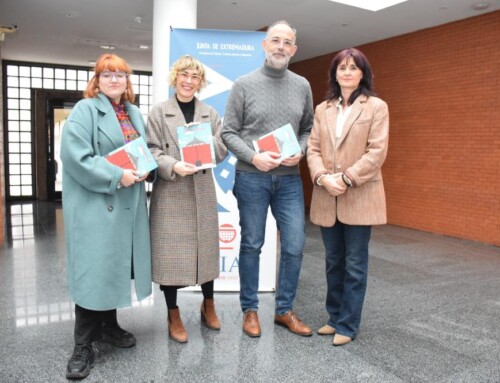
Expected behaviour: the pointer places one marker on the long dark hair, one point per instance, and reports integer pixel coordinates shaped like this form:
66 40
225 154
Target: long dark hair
365 85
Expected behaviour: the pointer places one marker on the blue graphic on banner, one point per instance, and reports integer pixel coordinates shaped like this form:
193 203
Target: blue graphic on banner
226 55
225 183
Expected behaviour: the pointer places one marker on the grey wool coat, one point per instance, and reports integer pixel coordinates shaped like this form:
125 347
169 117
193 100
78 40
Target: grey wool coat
106 228
183 211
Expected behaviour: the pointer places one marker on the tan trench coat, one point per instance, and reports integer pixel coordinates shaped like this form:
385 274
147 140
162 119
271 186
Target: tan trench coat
359 153
183 212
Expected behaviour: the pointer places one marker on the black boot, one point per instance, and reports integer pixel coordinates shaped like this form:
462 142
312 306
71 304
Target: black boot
81 362
118 337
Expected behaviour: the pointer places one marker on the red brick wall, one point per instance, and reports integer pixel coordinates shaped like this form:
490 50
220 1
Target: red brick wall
442 86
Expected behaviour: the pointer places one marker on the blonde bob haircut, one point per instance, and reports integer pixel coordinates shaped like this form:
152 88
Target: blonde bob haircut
187 63
113 63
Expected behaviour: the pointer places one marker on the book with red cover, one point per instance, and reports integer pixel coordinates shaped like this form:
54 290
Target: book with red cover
282 140
267 143
134 155
196 145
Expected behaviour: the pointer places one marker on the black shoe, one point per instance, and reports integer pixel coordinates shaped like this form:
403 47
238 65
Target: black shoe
118 337
81 362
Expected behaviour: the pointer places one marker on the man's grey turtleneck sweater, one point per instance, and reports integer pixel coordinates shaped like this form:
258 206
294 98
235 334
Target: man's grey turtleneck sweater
261 102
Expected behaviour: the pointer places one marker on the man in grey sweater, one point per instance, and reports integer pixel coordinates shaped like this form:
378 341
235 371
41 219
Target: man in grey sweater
261 102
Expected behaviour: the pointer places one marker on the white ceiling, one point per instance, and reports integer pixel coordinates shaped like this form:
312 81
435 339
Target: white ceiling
71 31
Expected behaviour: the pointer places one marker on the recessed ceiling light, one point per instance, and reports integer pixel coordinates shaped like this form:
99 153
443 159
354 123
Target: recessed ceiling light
143 46
373 5
107 47
138 19
480 6
91 62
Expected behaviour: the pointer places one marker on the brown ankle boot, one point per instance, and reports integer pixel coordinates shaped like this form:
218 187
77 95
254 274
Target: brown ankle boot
176 330
208 314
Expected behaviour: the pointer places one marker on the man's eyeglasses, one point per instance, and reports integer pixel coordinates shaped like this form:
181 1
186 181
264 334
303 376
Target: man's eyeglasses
277 41
108 75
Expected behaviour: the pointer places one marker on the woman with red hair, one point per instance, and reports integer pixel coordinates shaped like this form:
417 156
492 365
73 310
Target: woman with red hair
105 212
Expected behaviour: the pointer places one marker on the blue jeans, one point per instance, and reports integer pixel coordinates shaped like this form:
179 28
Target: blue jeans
346 275
255 192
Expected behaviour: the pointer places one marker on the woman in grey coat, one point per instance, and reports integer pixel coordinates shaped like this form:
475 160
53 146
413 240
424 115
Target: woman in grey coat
183 211
105 212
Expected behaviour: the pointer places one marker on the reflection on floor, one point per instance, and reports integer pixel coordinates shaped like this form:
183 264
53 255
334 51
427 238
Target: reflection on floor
432 314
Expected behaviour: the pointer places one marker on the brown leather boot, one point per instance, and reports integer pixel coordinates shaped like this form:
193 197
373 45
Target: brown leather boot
208 314
176 330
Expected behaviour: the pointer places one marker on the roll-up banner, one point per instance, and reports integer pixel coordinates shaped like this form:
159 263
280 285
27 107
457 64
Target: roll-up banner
227 55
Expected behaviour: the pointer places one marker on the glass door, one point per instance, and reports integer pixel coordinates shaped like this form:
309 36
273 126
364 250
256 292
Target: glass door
58 112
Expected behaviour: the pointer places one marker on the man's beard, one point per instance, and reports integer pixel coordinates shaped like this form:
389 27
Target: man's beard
277 62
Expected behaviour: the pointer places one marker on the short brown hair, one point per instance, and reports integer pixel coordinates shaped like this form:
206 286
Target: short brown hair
112 63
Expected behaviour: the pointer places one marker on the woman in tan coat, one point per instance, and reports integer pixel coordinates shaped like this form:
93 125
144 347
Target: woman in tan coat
183 211
346 150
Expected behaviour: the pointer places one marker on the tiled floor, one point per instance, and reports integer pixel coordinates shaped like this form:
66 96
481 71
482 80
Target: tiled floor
432 314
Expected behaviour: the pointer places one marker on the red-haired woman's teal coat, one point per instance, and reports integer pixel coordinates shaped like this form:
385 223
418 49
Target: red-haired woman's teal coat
107 229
